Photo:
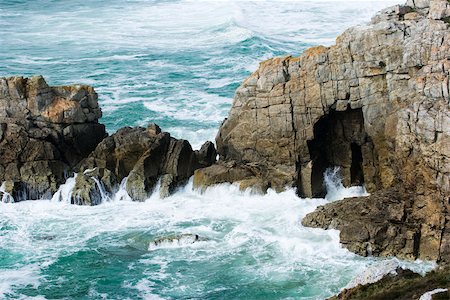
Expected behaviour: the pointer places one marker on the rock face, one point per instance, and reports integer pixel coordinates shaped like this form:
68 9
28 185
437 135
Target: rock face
376 104
383 224
44 133
143 156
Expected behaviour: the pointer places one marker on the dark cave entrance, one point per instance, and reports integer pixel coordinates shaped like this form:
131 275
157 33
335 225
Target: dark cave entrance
338 141
356 171
318 154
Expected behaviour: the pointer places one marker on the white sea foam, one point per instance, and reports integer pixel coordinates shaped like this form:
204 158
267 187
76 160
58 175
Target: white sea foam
5 197
64 192
17 278
335 188
266 227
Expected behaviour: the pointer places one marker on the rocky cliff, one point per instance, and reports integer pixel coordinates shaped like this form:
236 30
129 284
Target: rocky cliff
376 104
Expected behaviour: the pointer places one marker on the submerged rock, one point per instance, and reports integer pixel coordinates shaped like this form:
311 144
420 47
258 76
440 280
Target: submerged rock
176 240
44 132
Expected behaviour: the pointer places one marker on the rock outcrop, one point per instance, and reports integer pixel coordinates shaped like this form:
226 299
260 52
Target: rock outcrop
404 285
382 224
376 104
142 156
44 133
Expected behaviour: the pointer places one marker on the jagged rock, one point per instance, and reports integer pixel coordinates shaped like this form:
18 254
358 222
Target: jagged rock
376 104
256 177
143 155
380 225
44 132
93 186
387 83
167 186
207 154
220 173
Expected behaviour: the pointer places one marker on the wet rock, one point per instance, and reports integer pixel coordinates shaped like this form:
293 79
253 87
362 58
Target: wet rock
207 154
402 285
376 104
167 185
386 223
93 186
176 240
44 133
144 155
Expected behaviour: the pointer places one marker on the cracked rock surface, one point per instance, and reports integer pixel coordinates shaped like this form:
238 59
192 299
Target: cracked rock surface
44 132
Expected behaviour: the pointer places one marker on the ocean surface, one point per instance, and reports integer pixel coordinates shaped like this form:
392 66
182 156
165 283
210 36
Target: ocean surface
177 64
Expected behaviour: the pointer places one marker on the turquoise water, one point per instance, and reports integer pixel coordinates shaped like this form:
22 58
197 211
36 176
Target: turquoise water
176 63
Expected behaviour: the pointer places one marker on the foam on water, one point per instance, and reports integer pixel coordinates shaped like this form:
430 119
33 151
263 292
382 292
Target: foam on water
252 245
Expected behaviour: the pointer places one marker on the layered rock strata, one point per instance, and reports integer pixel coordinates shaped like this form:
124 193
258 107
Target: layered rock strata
44 133
376 104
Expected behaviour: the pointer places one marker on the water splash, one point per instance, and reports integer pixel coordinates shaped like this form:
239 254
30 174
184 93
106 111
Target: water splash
336 190
6 197
64 193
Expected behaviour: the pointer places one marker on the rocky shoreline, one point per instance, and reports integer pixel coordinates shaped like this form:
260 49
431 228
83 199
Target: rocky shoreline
376 104
49 133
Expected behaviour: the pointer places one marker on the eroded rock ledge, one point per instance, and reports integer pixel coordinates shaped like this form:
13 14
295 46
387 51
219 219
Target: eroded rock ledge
376 104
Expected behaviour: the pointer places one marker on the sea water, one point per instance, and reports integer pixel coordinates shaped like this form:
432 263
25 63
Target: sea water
175 63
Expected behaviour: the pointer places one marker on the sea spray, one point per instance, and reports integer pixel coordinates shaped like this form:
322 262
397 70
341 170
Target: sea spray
64 192
255 247
335 188
5 196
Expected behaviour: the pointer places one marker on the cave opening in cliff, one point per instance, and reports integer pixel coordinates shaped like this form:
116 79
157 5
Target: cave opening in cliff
356 171
318 154
338 140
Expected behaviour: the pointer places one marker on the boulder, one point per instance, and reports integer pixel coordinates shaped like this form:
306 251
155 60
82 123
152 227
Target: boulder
45 132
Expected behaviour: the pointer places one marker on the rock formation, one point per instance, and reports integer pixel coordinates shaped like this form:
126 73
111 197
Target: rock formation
376 104
44 133
49 133
404 285
142 156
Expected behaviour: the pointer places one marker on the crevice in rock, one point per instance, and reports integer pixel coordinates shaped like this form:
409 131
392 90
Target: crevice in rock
356 172
339 140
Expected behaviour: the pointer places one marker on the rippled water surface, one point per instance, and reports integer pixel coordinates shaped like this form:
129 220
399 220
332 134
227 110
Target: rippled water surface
175 63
